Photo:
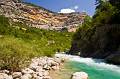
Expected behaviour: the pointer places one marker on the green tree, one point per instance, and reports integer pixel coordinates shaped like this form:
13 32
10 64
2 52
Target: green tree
104 13
116 17
100 37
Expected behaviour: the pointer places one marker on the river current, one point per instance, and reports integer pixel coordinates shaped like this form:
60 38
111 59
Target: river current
96 68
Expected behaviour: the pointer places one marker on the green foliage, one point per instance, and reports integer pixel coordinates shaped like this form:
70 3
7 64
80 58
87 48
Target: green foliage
19 43
103 14
81 39
3 24
14 53
116 17
83 29
100 36
107 12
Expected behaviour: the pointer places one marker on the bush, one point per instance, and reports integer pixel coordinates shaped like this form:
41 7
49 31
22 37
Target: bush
14 53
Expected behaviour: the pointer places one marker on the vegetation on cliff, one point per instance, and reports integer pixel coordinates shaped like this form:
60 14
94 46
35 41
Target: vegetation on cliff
19 43
99 36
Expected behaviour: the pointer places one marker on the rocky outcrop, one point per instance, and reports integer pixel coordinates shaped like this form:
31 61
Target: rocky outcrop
36 16
38 69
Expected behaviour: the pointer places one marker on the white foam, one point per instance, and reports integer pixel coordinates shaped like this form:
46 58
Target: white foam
91 62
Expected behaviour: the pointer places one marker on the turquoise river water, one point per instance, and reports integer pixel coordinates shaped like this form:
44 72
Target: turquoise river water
95 68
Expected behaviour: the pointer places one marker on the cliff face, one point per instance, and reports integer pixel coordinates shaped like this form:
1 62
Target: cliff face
39 17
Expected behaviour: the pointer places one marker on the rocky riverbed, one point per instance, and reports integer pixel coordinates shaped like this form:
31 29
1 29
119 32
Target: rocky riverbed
38 69
45 68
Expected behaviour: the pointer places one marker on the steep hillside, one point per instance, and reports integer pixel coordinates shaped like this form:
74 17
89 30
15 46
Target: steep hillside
39 17
20 43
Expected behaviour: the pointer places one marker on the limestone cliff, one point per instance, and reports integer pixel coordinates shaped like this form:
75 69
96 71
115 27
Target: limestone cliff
36 16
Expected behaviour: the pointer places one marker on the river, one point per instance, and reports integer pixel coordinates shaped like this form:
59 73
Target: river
96 68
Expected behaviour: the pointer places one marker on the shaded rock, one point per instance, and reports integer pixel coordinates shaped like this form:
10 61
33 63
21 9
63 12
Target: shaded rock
80 75
114 59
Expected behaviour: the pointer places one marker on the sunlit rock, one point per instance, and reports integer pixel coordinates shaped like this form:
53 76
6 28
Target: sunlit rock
80 75
26 76
27 71
5 76
17 74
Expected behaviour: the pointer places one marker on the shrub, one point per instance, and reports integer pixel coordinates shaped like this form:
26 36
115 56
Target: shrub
14 53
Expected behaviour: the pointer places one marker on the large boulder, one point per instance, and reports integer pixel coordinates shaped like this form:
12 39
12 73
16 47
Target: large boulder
17 74
5 76
26 76
27 71
80 75
5 71
114 59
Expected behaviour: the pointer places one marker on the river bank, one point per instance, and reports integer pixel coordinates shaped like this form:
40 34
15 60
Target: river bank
62 67
38 69
63 73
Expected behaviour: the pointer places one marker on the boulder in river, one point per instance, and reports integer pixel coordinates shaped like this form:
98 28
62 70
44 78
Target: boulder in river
114 59
80 75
